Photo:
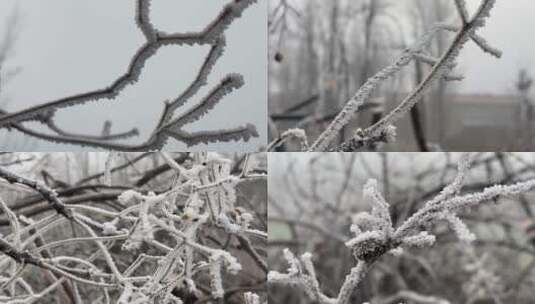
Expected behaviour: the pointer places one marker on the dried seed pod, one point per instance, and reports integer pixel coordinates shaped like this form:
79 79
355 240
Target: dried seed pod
369 249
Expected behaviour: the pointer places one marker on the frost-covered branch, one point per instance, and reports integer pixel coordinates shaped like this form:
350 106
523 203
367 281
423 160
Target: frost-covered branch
49 194
184 239
168 126
441 68
297 134
375 235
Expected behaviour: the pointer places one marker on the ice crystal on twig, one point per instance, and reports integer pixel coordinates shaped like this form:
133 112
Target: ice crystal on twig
161 233
441 68
374 235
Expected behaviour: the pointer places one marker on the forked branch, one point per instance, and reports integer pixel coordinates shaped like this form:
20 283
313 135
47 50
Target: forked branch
441 68
375 234
169 126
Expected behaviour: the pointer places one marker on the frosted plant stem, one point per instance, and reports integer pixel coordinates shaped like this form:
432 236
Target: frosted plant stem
212 35
441 68
203 196
376 236
467 32
353 279
48 194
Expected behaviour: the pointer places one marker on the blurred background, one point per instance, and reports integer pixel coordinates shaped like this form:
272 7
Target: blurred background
312 197
321 52
52 50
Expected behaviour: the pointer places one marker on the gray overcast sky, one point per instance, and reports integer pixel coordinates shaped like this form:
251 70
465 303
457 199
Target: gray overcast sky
67 47
511 28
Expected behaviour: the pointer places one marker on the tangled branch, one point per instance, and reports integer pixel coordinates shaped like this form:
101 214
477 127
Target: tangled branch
164 246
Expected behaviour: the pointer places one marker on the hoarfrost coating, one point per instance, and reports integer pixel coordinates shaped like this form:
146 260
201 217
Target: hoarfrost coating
211 37
171 242
345 43
375 236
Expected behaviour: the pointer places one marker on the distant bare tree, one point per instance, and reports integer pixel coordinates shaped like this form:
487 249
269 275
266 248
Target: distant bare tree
525 111
8 42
